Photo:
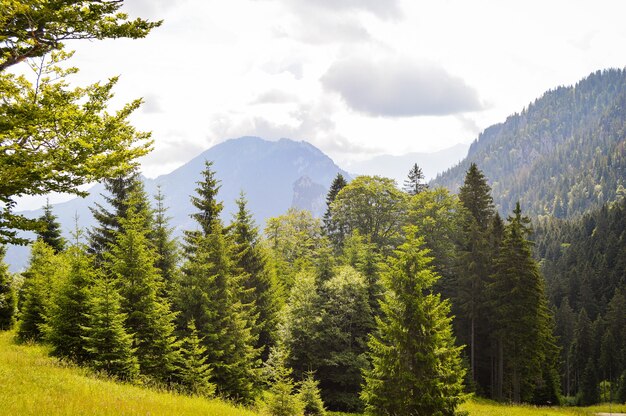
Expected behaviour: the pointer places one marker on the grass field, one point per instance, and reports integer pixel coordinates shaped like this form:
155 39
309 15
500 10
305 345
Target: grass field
31 383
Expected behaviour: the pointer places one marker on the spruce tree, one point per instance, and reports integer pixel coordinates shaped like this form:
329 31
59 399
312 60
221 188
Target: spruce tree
416 369
212 294
330 227
280 400
40 282
107 344
475 265
166 247
8 298
413 184
194 373
309 395
103 235
65 328
260 287
50 231
522 321
148 315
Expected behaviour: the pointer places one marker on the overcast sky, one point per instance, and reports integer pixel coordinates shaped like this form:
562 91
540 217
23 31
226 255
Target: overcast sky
354 77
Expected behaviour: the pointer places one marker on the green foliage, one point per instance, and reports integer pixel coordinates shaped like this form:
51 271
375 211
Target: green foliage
55 139
416 369
260 286
280 400
373 206
34 28
108 345
65 328
166 247
522 321
50 233
42 278
8 298
193 372
293 239
211 292
309 395
110 220
148 315
345 322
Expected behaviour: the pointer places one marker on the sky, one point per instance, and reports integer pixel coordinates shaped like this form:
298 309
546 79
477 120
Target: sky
356 78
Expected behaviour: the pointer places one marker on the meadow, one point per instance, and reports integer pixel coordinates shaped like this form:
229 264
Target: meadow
32 383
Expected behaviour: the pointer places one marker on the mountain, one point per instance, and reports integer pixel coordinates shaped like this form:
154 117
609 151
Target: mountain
562 155
275 175
397 167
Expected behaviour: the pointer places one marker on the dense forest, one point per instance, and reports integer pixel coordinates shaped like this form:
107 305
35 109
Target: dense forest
584 264
330 306
564 154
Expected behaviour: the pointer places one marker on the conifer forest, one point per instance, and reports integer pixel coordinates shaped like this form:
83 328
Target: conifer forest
504 278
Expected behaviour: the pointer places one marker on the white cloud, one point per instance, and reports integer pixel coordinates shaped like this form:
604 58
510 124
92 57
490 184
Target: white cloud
399 88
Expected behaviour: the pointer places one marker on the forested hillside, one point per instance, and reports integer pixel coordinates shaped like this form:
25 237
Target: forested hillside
584 264
562 155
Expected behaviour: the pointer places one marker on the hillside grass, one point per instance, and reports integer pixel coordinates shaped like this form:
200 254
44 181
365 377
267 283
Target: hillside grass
31 383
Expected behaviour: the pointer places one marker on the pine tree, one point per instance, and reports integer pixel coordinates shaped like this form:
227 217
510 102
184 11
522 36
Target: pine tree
330 227
166 247
8 298
413 185
193 372
211 293
309 395
103 236
40 282
148 315
475 265
106 342
260 287
280 400
65 328
522 322
50 233
416 369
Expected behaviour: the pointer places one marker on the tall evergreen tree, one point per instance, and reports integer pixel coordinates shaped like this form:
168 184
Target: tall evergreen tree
166 247
107 344
331 228
65 329
475 265
415 182
523 325
50 232
211 293
40 282
194 373
8 298
260 287
104 235
148 315
416 369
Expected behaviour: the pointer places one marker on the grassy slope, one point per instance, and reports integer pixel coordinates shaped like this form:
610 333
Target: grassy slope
33 384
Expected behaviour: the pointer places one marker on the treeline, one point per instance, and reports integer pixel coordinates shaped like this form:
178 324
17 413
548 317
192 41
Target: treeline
354 304
584 262
561 156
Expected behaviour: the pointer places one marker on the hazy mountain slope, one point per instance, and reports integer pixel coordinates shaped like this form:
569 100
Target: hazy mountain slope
397 167
274 175
562 155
